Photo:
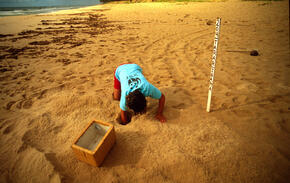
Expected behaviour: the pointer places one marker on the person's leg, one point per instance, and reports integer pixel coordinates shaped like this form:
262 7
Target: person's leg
117 89
116 94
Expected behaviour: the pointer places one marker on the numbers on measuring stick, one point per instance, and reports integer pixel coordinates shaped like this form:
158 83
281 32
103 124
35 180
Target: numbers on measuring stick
213 62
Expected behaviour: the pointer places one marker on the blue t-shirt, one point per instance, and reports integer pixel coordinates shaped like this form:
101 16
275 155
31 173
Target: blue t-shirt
131 78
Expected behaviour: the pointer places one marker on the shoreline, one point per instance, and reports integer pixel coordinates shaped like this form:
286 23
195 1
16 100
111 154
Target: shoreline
17 24
34 10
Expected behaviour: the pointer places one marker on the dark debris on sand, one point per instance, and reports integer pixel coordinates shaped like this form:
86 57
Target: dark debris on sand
254 53
60 32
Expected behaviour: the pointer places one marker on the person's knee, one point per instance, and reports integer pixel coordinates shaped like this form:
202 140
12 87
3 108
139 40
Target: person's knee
117 94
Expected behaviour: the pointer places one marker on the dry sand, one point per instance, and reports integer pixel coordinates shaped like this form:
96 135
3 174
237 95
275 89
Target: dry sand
57 75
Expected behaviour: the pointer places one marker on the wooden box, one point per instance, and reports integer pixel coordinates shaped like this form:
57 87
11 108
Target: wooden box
94 142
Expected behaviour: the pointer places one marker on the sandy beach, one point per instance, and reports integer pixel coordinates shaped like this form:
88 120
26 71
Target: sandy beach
56 75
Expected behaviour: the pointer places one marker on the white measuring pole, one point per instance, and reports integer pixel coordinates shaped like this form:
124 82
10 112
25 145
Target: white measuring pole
213 62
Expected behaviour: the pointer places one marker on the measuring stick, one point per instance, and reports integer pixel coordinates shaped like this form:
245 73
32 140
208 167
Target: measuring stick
213 62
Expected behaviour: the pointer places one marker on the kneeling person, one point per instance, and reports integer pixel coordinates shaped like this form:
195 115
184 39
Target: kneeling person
131 88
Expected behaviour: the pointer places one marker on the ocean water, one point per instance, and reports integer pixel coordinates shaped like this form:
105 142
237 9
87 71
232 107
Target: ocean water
25 7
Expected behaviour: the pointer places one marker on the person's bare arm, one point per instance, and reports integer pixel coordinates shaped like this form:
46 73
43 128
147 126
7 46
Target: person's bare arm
125 117
159 114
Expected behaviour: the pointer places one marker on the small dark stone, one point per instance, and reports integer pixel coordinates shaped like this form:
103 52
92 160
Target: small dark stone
209 22
254 53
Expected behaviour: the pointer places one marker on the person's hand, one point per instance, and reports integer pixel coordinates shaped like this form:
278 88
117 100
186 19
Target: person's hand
124 117
161 118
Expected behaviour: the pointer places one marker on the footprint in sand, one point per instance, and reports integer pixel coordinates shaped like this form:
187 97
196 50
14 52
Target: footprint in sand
228 94
235 99
178 98
10 104
247 86
179 106
42 133
8 129
21 104
32 160
27 104
48 91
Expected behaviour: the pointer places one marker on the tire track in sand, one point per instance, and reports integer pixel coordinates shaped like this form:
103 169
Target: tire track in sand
175 58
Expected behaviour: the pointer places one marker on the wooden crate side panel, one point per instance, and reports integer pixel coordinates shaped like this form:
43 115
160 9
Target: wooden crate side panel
97 157
85 157
102 123
105 147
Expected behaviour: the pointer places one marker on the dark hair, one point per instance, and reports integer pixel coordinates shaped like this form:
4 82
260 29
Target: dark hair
136 101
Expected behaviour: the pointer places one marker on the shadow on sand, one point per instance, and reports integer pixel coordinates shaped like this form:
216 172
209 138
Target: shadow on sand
125 151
